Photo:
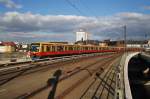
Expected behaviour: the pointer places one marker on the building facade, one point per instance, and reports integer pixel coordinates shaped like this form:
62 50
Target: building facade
7 47
81 35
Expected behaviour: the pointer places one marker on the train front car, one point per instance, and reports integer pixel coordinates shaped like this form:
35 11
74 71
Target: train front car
34 51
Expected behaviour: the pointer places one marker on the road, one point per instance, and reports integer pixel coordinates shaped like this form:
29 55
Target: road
74 86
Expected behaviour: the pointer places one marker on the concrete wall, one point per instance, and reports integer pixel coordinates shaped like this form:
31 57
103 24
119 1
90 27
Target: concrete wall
128 94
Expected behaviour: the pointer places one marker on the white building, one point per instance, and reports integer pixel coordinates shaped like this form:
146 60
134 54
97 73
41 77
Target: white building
134 45
147 47
149 43
81 35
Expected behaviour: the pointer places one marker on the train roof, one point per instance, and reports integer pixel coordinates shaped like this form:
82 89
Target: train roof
58 43
50 42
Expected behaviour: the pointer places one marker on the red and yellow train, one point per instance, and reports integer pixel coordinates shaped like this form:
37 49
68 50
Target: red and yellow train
45 49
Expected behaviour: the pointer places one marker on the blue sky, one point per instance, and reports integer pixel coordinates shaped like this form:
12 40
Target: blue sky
96 7
46 18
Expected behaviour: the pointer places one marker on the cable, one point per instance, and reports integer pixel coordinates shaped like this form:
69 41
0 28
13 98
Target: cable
86 7
75 7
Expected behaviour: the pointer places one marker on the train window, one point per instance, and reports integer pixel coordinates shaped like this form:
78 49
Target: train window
95 48
74 48
81 48
42 48
89 48
53 49
86 48
65 48
48 48
98 48
59 48
70 48
45 48
78 48
35 48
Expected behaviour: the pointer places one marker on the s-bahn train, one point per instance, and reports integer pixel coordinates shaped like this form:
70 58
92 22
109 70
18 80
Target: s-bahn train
46 49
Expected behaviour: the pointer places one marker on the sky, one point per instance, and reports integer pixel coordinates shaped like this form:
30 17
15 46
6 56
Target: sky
58 20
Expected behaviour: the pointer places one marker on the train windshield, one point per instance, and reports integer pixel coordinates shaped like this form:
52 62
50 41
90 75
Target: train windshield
35 48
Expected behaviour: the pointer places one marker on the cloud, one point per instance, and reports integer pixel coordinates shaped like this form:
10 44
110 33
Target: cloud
10 4
38 27
146 7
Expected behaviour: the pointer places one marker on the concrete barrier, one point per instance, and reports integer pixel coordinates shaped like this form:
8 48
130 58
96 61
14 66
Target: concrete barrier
145 57
128 94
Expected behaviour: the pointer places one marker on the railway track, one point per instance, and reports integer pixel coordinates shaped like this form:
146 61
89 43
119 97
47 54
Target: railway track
14 65
22 65
33 79
11 64
9 75
98 67
93 86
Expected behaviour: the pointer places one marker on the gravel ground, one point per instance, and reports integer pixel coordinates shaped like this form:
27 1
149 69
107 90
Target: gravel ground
28 83
7 57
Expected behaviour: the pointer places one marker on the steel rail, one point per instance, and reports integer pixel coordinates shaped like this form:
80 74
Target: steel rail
21 72
27 95
80 81
100 84
52 60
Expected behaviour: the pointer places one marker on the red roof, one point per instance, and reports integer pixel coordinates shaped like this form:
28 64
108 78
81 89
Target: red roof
8 44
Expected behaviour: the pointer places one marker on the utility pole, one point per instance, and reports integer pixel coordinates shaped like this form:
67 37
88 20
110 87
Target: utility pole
125 38
145 36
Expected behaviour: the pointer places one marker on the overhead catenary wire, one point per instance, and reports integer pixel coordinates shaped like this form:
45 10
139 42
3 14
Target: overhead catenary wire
81 12
89 10
75 7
